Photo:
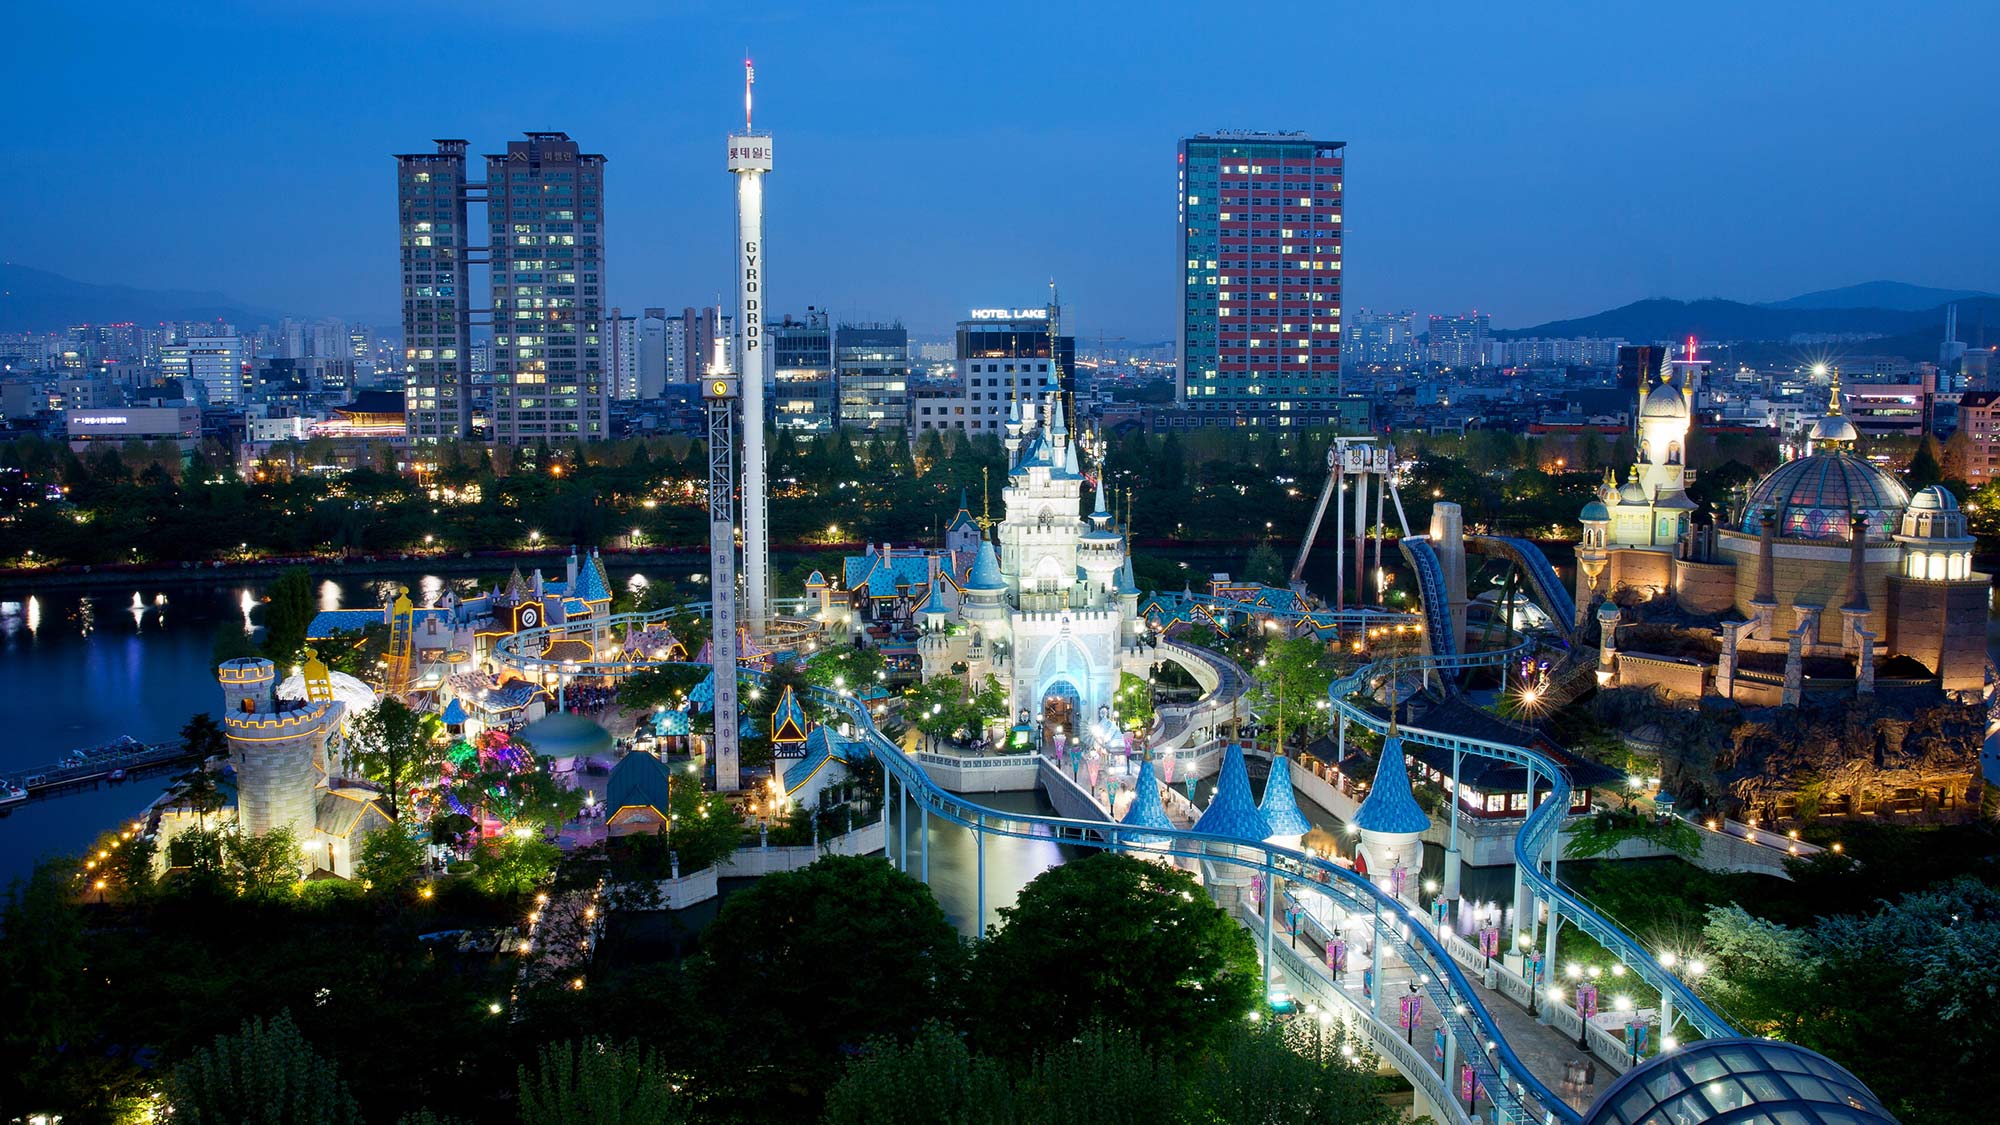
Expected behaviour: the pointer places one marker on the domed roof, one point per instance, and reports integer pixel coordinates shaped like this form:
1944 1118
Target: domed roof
358 696
1595 510
1833 427
1632 492
1934 498
1666 402
1814 495
1739 1080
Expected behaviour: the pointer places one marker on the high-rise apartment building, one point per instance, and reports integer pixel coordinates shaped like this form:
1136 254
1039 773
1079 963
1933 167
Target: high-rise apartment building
802 398
1260 265
1458 341
871 364
431 195
544 221
545 211
655 347
1381 339
621 348
699 329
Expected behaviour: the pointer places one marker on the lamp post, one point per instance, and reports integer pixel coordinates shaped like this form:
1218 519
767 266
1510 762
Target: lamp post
1412 1012
1586 1007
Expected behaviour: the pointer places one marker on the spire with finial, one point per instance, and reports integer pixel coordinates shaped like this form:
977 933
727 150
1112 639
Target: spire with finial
985 500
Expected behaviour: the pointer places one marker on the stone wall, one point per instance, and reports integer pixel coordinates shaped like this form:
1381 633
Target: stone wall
1645 571
1942 624
1705 587
1676 678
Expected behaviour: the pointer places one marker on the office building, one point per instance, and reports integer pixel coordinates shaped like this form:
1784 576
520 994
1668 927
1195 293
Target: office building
1979 422
871 364
545 208
431 196
1260 258
1458 341
1002 355
803 398
219 366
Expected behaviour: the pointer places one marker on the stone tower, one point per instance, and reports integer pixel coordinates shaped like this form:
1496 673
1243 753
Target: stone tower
272 750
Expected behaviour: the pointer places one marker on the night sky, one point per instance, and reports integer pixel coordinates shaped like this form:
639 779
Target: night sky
1529 161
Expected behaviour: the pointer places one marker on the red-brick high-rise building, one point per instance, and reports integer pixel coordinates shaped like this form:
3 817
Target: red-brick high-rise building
1260 235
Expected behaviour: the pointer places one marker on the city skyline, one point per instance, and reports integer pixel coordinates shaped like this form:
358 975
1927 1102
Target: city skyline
1035 155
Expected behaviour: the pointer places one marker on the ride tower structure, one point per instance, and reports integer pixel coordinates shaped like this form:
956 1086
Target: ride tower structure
749 160
719 391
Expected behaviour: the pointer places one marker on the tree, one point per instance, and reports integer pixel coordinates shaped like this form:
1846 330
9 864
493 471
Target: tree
263 864
1924 469
202 795
42 978
1114 940
592 1083
1268 1071
391 748
899 962
515 865
122 863
390 858
1264 565
265 1074
286 616
1303 668
203 737
934 1079
1102 1075
704 828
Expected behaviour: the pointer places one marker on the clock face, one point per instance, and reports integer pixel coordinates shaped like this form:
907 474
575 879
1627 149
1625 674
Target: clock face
531 616
720 388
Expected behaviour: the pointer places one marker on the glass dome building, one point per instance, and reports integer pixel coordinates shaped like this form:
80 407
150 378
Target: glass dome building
1738 1082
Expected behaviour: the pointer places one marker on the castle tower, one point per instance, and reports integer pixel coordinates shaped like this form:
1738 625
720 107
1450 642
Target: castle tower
1390 822
273 751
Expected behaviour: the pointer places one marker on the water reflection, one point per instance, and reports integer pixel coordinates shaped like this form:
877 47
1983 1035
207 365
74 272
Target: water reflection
1010 863
247 603
329 596
138 610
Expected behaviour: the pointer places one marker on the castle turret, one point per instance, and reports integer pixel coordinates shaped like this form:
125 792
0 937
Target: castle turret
1390 822
273 751
1231 813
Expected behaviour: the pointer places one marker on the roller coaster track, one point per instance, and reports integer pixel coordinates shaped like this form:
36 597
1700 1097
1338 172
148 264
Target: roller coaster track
1545 584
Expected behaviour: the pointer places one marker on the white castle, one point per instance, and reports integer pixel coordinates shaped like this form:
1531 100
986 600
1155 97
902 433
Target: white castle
1050 611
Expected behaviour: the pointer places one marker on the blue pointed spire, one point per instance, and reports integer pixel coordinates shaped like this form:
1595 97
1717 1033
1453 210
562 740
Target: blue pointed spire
1147 810
934 605
986 569
1102 508
1390 806
1280 805
1231 812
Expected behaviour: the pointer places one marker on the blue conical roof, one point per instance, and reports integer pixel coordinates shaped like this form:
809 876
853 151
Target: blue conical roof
986 569
935 604
1147 810
1232 812
1280 805
1390 806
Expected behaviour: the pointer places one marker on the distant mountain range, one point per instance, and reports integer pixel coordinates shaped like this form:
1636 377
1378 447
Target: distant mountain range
1877 295
1909 319
33 300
